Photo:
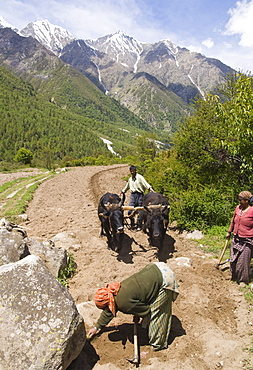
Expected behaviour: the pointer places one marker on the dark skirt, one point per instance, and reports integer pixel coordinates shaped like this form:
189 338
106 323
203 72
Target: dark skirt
241 252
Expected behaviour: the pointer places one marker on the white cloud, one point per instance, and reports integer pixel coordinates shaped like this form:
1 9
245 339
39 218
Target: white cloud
93 19
241 22
227 45
194 48
88 19
208 43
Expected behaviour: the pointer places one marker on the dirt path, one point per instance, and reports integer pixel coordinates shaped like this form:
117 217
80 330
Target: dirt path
212 324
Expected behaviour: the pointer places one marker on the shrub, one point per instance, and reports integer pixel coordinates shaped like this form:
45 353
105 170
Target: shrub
24 156
201 209
68 272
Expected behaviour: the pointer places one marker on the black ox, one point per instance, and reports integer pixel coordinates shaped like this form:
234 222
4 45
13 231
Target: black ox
155 218
111 217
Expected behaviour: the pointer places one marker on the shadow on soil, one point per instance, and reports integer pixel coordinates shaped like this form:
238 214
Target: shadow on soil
127 253
122 333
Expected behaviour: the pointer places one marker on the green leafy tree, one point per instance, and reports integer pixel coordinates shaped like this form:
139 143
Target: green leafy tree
46 157
217 140
212 160
24 156
146 151
236 116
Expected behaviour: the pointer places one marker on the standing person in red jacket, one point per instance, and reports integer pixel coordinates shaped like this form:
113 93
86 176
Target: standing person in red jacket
241 250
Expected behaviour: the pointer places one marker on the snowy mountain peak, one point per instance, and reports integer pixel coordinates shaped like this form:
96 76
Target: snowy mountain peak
123 43
170 45
51 36
4 24
122 49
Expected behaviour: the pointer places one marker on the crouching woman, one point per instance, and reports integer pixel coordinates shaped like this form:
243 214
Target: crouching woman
148 293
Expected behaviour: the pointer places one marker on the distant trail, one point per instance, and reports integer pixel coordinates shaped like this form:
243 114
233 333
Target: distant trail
97 186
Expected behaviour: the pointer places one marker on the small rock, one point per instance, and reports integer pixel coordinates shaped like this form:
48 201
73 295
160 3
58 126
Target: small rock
183 261
24 217
196 234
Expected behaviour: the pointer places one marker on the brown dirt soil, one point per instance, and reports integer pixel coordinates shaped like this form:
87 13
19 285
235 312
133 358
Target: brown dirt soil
212 322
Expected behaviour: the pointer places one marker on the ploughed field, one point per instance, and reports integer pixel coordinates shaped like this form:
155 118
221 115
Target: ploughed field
212 323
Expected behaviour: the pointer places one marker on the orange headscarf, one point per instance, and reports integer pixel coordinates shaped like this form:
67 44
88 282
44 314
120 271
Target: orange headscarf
105 297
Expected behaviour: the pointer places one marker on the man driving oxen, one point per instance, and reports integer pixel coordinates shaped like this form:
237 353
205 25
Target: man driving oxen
137 186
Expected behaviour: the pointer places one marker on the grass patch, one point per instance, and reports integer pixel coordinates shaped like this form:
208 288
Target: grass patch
214 241
9 185
68 272
19 202
248 294
17 194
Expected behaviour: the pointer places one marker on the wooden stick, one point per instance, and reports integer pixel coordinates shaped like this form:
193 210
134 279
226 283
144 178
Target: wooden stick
222 253
131 208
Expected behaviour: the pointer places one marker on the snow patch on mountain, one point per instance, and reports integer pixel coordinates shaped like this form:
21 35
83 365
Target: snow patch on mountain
122 43
4 24
120 48
173 49
192 81
100 79
109 146
136 63
53 37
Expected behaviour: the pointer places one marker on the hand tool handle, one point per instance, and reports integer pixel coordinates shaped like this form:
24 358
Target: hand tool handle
136 349
223 252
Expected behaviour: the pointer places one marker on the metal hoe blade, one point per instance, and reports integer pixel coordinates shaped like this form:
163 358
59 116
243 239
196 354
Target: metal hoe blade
134 360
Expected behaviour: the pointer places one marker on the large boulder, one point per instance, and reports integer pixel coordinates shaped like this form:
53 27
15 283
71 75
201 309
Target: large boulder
12 246
15 245
40 327
65 241
56 259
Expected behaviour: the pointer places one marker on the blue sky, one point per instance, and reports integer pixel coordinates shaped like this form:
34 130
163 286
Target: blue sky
221 29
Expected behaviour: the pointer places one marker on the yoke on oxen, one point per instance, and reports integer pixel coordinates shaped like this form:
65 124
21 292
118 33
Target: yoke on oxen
155 218
149 208
135 210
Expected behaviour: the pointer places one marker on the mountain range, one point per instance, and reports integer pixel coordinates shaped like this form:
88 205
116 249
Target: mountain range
155 81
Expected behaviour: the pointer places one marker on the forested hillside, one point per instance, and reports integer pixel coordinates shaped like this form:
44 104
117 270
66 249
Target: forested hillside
57 126
61 111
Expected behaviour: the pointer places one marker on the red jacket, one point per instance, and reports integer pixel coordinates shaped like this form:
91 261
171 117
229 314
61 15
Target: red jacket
242 222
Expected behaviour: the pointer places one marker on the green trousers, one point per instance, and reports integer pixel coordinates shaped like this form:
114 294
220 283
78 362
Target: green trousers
160 320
